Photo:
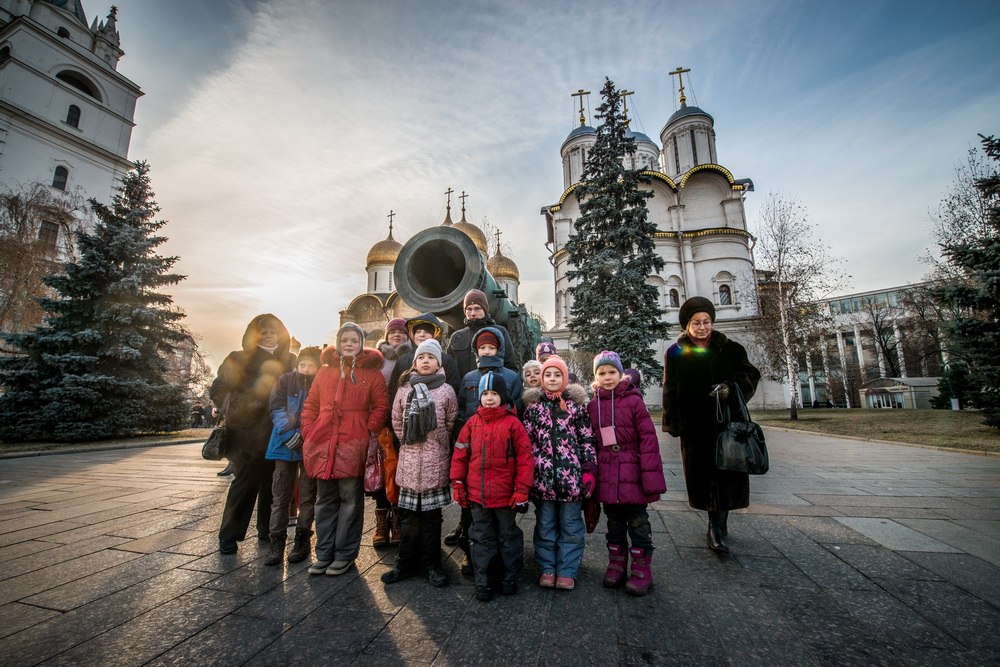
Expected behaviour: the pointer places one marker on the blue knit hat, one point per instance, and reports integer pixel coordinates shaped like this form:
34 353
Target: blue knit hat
494 382
608 358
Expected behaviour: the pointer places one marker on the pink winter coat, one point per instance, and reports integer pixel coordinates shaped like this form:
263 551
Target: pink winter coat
340 414
425 465
630 473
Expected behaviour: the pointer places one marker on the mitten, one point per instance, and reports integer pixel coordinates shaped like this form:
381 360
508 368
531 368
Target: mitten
519 502
459 493
589 484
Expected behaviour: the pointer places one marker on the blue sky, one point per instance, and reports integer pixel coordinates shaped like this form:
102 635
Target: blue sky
281 133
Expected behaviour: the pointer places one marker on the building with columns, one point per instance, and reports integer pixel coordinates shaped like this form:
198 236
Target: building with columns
698 208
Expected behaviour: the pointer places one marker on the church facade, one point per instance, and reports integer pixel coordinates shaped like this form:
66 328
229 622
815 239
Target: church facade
702 237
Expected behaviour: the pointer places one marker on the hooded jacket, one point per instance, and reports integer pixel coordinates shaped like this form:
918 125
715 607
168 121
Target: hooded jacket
405 360
340 415
630 471
493 457
460 346
287 398
468 395
562 443
246 378
424 465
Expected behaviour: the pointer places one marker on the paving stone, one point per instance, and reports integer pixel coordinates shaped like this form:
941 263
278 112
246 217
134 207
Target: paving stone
14 551
215 645
882 566
15 617
971 574
160 541
418 632
35 532
894 535
890 619
967 618
45 578
958 537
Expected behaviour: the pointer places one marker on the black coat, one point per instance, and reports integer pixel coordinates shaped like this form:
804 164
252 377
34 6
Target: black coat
460 347
689 373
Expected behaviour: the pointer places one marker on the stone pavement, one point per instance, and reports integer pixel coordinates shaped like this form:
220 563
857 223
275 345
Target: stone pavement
852 553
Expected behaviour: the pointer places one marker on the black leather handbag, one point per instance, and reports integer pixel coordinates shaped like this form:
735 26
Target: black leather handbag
740 447
214 448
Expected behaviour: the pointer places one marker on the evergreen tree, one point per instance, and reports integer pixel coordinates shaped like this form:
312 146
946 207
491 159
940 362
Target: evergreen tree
95 368
612 252
975 331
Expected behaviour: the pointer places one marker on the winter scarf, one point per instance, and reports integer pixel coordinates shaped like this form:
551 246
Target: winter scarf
420 417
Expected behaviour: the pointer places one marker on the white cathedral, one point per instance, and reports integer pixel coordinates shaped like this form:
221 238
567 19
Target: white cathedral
697 206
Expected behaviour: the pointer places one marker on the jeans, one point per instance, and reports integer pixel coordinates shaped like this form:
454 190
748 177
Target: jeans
494 532
629 521
340 517
559 537
286 473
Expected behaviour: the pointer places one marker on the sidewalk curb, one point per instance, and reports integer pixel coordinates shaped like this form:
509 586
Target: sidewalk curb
973 452
82 449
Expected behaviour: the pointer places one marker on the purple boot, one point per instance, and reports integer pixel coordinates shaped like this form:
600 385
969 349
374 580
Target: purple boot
617 570
641 580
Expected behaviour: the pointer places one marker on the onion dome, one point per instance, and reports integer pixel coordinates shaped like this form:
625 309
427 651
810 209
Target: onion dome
384 252
471 230
503 267
685 111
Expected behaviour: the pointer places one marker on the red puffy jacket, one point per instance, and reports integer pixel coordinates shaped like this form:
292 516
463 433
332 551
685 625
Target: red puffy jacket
340 414
493 457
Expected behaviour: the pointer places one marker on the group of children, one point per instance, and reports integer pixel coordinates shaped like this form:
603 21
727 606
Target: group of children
528 438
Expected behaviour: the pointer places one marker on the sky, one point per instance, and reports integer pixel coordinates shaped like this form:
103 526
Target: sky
280 134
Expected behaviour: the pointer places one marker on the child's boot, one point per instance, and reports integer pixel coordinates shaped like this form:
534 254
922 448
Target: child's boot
641 579
302 545
276 550
394 527
381 536
617 570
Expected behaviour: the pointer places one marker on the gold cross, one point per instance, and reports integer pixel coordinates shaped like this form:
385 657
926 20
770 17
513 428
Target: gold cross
580 93
448 193
463 197
680 71
624 94
390 216
498 240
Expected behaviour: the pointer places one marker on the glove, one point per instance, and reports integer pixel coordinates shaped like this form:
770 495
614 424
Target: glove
519 502
589 484
459 493
720 390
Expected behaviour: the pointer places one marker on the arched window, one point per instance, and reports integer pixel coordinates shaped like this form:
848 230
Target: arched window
73 116
675 299
59 178
63 32
79 82
725 295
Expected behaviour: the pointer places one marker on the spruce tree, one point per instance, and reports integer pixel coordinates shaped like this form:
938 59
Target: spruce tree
95 367
974 334
612 252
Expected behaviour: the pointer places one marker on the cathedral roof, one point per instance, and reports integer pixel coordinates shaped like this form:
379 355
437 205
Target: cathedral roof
502 266
473 232
74 7
581 131
384 252
639 136
686 111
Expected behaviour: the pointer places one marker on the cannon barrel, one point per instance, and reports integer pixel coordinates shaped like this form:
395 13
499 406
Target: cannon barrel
436 268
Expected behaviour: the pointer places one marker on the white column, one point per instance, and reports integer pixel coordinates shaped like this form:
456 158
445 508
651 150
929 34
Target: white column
899 350
842 352
859 346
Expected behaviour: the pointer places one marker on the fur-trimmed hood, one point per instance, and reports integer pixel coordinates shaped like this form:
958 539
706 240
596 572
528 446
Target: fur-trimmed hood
367 357
392 353
574 392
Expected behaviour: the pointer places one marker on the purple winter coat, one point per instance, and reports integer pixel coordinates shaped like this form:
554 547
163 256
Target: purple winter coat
632 475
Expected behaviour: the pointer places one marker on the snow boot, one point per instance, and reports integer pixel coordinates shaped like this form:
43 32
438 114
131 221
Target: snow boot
276 550
381 536
394 528
641 580
302 546
617 571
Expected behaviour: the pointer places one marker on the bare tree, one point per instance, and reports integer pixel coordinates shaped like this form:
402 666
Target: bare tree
878 320
37 229
796 271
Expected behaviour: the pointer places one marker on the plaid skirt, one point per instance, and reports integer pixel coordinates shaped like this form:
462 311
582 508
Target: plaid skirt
424 501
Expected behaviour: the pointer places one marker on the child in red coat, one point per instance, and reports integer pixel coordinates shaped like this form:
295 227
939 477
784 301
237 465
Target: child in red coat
491 472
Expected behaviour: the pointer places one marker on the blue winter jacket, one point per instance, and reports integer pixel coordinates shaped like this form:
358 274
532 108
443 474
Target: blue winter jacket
287 397
468 393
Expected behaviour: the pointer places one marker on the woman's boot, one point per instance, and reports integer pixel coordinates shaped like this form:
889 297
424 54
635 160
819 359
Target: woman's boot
381 536
276 549
640 581
617 571
724 523
394 534
716 541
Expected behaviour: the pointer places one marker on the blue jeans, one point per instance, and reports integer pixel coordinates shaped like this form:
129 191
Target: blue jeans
559 537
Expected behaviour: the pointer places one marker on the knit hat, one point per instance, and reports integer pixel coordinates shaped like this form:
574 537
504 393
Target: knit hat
309 354
530 363
395 324
693 306
556 361
494 382
608 358
349 326
424 320
486 337
430 346
477 297
545 348
634 377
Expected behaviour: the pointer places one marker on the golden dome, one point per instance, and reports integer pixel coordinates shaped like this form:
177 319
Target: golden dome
473 232
502 267
384 252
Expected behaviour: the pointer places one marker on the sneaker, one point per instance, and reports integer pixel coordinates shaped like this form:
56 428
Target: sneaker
547 580
508 588
339 567
319 567
483 593
436 577
565 583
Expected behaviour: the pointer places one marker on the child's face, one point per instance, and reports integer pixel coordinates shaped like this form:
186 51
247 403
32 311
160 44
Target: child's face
489 399
608 377
426 364
395 337
307 367
533 377
542 357
350 343
421 334
487 350
552 379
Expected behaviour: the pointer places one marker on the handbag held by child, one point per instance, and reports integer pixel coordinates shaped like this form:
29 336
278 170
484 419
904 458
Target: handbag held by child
740 447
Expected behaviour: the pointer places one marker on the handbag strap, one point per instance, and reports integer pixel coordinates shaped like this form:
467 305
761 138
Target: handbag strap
722 408
744 412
